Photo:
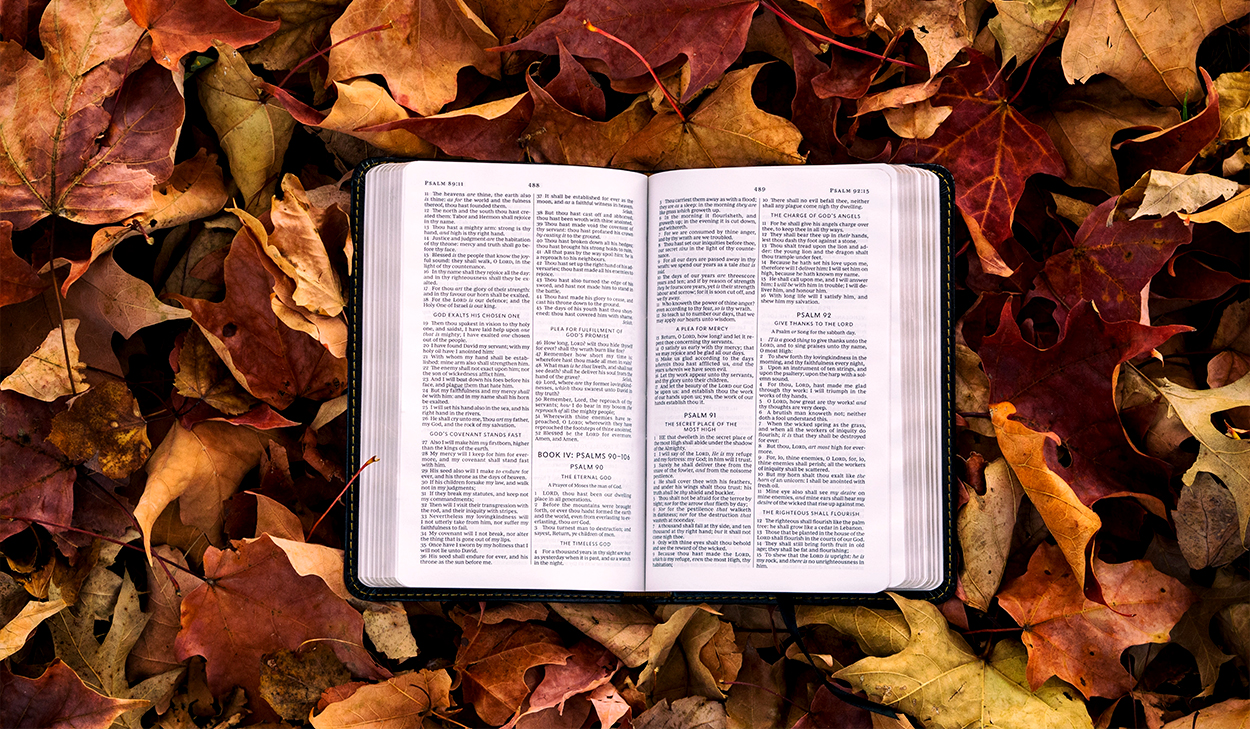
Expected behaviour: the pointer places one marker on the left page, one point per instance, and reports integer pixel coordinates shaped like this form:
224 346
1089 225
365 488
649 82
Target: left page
522 384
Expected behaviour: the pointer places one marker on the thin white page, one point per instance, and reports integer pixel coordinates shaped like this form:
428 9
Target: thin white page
523 386
768 418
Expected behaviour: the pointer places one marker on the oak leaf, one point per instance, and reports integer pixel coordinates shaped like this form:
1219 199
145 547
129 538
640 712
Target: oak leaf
420 55
709 34
84 135
1111 261
623 629
53 370
1224 457
938 679
1084 120
125 302
254 131
559 136
38 481
986 524
252 603
404 700
1079 640
990 149
272 361
104 424
726 130
179 27
56 700
18 279
1206 524
492 662
1148 48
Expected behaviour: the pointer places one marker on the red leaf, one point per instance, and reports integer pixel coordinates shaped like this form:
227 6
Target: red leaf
989 147
493 660
1068 389
1175 148
277 363
575 89
253 602
710 34
489 131
18 280
1109 264
179 27
38 481
56 700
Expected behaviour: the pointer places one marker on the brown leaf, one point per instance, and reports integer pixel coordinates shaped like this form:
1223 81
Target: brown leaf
710 34
559 136
1175 148
758 699
254 132
692 712
1150 49
1165 193
403 701
56 700
295 245
985 526
492 662
1084 120
200 373
77 141
387 626
877 632
420 65
124 301
38 481
1206 524
105 424
575 89
153 652
917 121
46 373
489 131
362 103
1079 640
1234 214
179 27
253 603
292 681
623 629
1234 90
304 27
512 19
18 280
588 667
1230 714
15 633
1023 27
941 27
201 466
726 130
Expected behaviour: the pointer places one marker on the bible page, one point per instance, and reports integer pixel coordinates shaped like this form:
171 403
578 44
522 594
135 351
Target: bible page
769 380
522 393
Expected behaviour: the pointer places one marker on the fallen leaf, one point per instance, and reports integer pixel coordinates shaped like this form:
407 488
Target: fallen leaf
124 301
939 680
46 373
1111 261
1234 214
558 136
153 652
200 373
1233 337
840 16
1079 640
38 481
726 130
56 700
985 525
201 466
623 629
940 28
82 139
692 652
492 662
16 632
575 89
1173 149
1084 120
588 667
757 701
609 705
1230 714
1023 27
710 34
877 632
292 681
692 712
295 245
1168 192
1234 90
1206 524
272 361
252 603
387 626
916 121
990 149
489 131
253 131
419 64
18 279
179 27
104 424
1148 48
404 700
305 24
1224 457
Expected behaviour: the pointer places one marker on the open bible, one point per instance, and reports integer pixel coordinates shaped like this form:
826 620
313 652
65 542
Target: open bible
701 381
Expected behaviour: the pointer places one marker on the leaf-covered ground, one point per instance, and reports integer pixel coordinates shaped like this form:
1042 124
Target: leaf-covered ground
174 244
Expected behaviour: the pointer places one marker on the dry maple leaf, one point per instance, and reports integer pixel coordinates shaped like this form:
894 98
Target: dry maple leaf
623 629
560 136
575 89
53 370
1079 640
18 279
985 525
404 700
179 27
489 131
990 149
56 700
710 34
419 55
83 136
104 424
492 662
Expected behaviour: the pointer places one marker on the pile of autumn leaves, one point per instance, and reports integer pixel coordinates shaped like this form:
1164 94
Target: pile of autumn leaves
1102 357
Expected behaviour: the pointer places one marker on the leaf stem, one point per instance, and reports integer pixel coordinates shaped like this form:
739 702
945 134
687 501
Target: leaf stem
786 17
385 26
372 460
1045 41
594 29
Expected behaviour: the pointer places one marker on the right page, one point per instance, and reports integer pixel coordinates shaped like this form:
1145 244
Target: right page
770 359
